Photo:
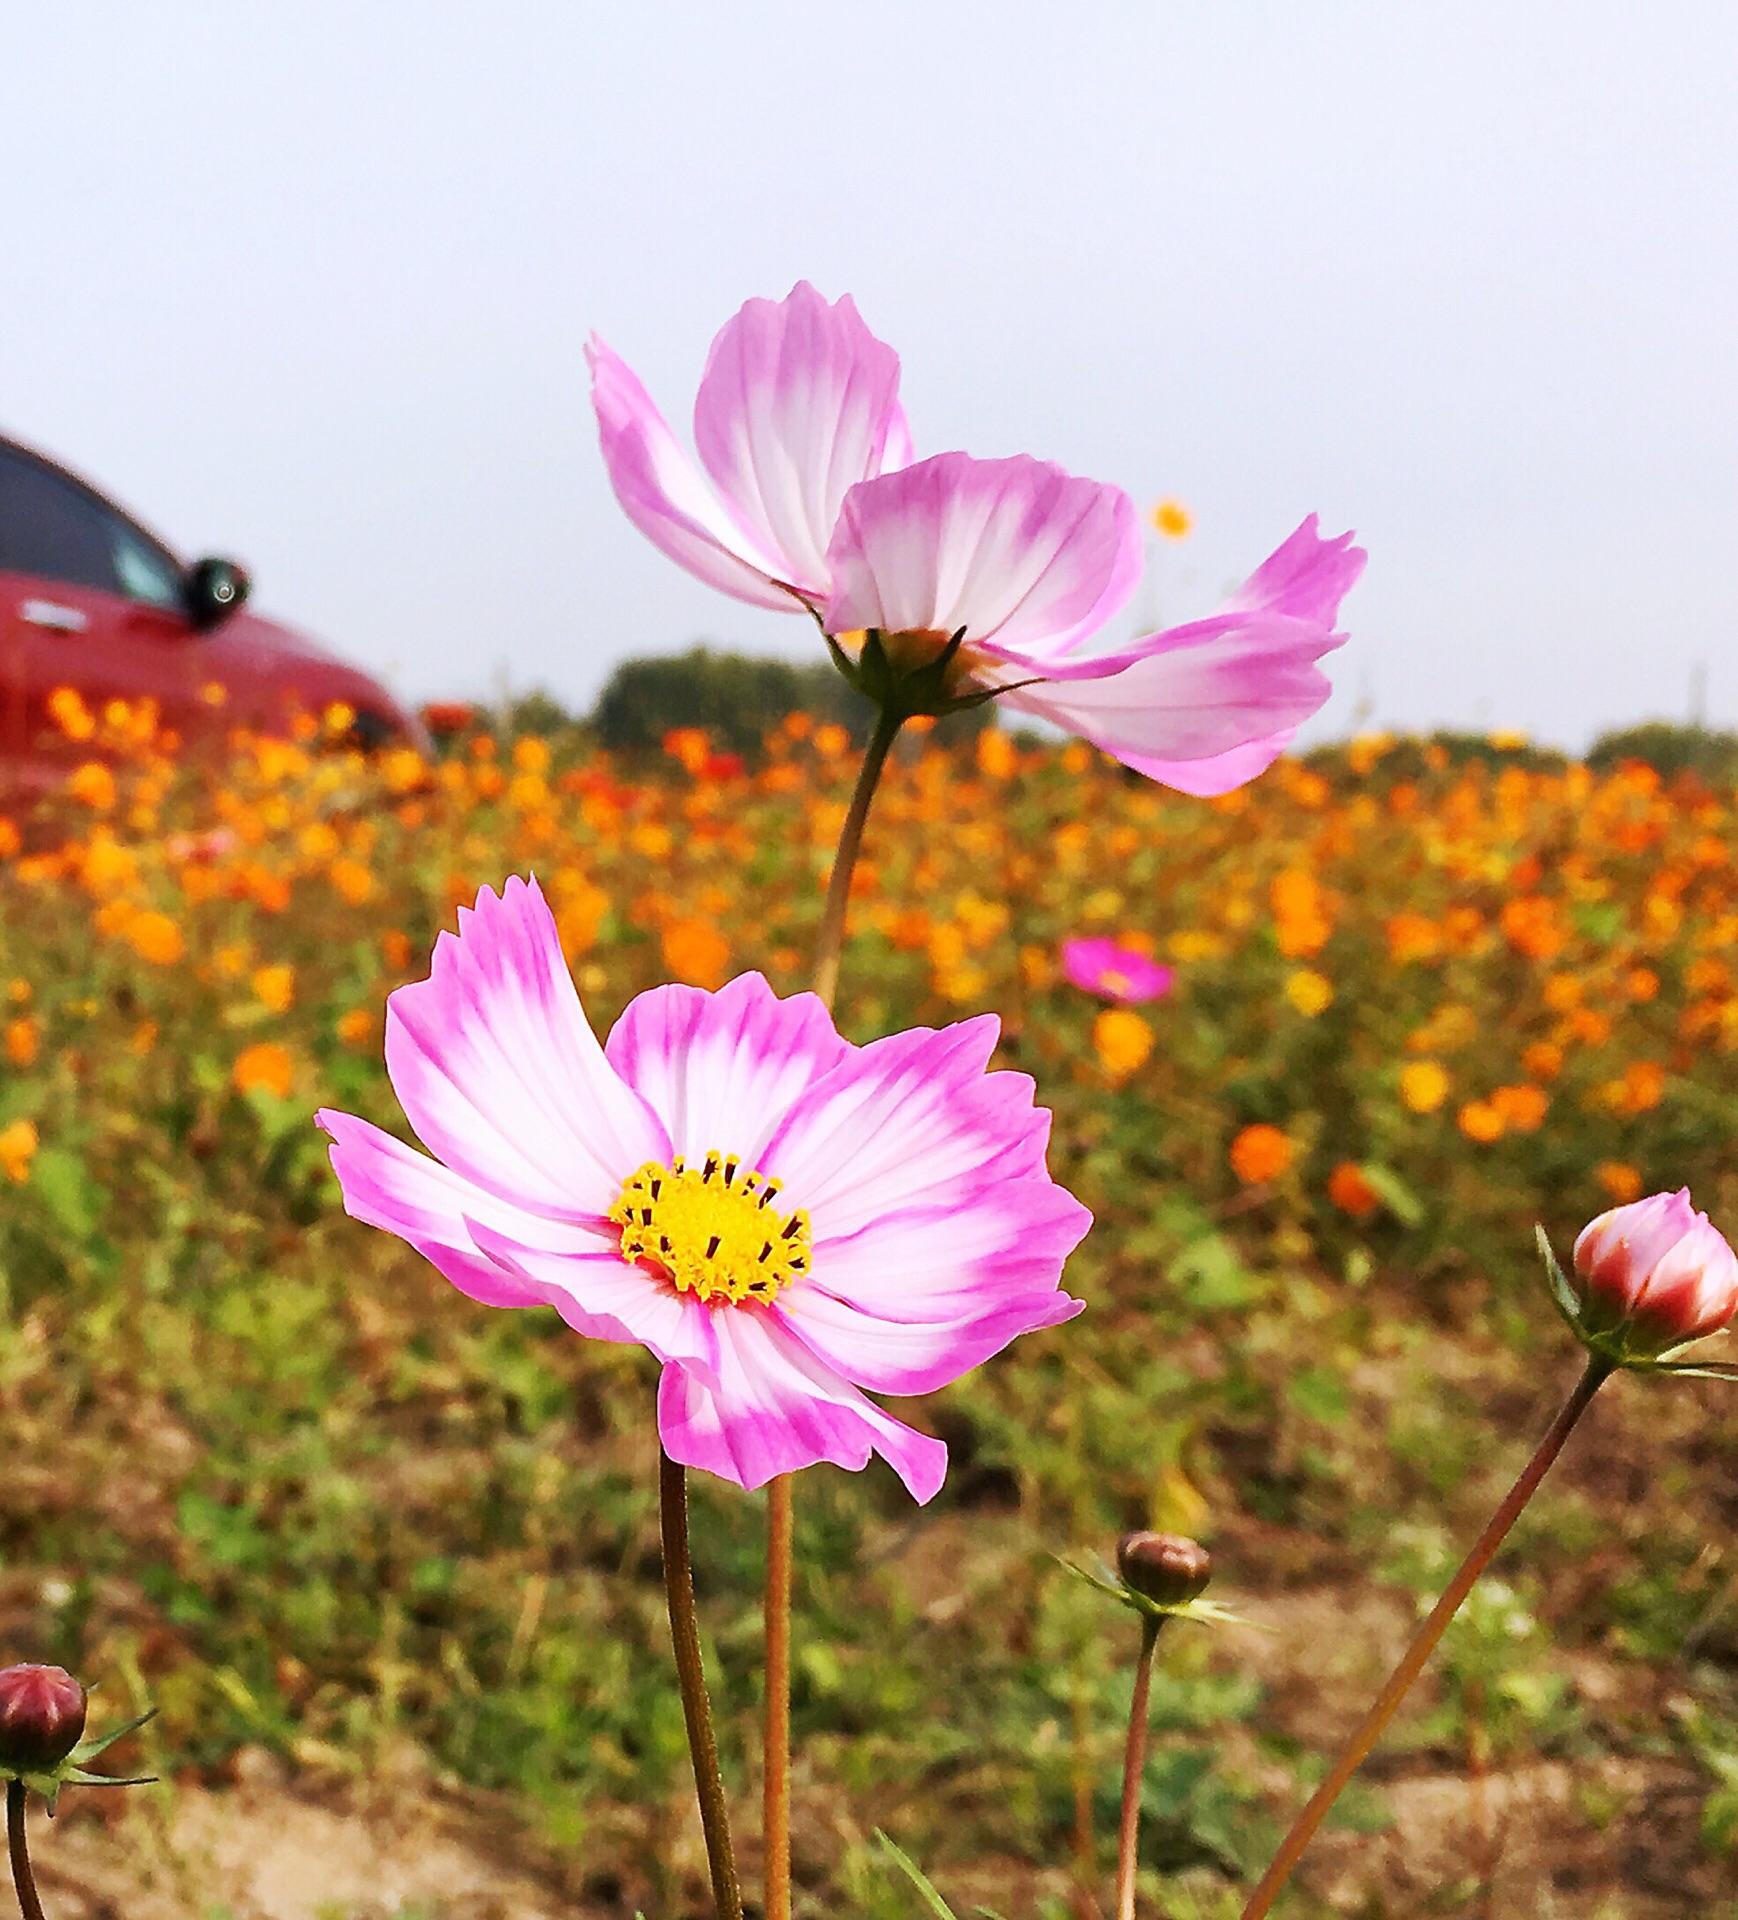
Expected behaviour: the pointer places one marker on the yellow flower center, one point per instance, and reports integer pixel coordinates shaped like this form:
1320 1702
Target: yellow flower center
712 1230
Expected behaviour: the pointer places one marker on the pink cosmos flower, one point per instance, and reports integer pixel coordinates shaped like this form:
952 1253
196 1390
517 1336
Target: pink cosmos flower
1656 1273
799 401
1031 564
815 504
1114 972
781 1217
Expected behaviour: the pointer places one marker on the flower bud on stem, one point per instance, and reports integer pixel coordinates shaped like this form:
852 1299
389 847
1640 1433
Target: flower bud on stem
1425 1640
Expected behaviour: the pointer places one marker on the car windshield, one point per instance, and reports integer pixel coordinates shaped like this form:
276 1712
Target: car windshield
50 527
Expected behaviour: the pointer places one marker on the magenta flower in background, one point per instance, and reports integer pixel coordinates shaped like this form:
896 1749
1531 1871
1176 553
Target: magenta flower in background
1655 1275
1114 972
799 401
781 1217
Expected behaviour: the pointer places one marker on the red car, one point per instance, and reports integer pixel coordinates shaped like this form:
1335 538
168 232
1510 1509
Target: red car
89 599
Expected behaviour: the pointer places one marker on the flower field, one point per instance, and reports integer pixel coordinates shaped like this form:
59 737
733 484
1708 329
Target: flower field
269 1472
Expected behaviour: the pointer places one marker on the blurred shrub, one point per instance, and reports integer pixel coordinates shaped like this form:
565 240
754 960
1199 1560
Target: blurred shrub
1670 749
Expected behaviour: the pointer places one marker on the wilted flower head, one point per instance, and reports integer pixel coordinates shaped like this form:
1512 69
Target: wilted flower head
1653 1276
986 577
1168 1568
1113 971
782 1218
42 1714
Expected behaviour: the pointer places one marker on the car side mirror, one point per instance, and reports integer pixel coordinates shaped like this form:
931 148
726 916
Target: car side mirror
211 590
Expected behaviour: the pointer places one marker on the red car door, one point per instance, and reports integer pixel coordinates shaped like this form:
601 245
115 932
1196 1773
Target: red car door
87 600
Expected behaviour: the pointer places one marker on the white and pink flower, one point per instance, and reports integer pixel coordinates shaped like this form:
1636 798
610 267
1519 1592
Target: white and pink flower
784 1219
816 504
1655 1275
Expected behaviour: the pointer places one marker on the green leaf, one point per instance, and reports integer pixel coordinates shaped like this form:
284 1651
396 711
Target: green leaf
1319 1395
918 1878
1394 1194
68 1191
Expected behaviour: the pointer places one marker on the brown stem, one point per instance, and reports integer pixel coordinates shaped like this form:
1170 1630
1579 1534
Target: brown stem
1134 1764
1424 1641
696 1709
23 1880
831 935
776 1785
776 1767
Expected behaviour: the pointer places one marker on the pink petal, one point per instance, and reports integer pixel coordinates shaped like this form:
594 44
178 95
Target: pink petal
1016 551
389 1185
501 1077
720 1069
1306 578
677 1327
776 1408
1220 773
798 403
912 1120
663 494
922 1296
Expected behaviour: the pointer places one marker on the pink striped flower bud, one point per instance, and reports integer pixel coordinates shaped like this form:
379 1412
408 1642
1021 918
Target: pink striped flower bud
1654 1275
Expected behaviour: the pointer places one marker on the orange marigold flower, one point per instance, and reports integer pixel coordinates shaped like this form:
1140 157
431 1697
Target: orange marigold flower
696 953
265 1065
395 948
1351 1191
1424 1085
1532 926
155 937
1522 1107
1644 1083
998 757
1260 1153
10 838
66 708
351 879
1412 937
18 1143
1642 984
94 784
1481 1120
1301 912
355 1027
1122 1040
1542 1060
275 987
1618 1180
23 1039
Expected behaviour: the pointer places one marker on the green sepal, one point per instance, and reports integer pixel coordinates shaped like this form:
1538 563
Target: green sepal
1610 1346
917 690
1208 1613
71 1770
89 1749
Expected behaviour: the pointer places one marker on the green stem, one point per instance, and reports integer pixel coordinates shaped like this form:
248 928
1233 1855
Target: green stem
690 1672
23 1880
1424 1641
831 935
1133 1769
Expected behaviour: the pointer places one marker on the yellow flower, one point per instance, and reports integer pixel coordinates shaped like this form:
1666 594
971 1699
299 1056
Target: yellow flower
1122 1041
1482 1120
1172 519
18 1142
1424 1085
1310 992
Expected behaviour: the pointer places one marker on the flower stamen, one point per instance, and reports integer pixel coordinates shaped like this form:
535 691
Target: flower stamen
712 1230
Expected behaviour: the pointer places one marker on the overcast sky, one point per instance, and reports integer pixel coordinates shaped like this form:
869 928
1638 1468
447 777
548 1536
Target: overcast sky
310 283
